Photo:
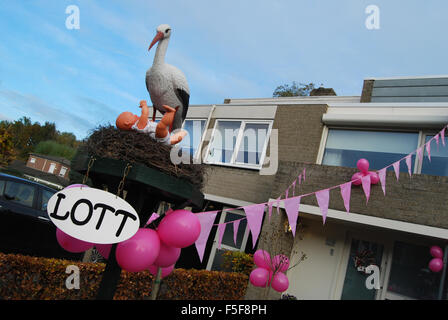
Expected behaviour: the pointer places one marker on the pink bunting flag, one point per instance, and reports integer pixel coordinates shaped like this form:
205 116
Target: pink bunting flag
420 154
287 194
278 205
292 211
323 198
236 225
254 214
206 220
221 230
300 179
409 163
382 176
304 174
366 186
428 149
270 210
436 137
396 166
442 135
153 217
346 189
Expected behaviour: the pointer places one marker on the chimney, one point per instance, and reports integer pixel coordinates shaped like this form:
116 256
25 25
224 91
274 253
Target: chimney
321 91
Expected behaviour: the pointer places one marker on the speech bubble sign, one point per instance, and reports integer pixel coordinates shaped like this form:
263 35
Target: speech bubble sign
93 215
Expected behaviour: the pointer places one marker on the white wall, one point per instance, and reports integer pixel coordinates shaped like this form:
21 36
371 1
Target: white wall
315 277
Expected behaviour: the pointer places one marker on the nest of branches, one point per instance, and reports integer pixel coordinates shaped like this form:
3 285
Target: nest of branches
135 147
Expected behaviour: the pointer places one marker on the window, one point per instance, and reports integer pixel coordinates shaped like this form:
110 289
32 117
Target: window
46 195
195 129
33 160
19 193
63 171
382 148
410 275
240 143
438 166
2 187
52 167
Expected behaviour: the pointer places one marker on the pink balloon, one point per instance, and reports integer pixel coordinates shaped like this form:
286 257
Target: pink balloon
167 256
71 244
139 252
436 252
180 229
281 263
280 282
165 271
262 259
363 165
356 178
104 249
259 277
435 265
374 178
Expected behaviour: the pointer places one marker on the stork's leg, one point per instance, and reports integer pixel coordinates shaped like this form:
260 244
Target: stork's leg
154 114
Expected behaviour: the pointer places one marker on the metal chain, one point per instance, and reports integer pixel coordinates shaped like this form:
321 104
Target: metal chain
121 185
89 166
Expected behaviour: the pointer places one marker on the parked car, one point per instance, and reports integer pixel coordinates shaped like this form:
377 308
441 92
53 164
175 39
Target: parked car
25 227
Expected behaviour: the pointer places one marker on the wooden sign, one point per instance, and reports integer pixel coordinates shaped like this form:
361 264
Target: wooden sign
93 215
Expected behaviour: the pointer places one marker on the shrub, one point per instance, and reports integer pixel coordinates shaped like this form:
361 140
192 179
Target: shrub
238 261
24 277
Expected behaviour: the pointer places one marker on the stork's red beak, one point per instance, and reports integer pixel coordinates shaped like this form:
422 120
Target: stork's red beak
157 38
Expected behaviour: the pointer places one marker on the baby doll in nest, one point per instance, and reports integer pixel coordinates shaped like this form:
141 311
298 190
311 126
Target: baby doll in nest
158 131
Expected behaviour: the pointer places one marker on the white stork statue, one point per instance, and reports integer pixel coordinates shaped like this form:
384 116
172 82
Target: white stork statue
166 84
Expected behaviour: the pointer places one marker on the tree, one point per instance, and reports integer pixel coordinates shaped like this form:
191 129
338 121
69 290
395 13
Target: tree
7 153
54 148
293 90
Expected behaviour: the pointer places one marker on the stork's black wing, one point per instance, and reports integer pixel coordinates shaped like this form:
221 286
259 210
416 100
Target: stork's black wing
184 97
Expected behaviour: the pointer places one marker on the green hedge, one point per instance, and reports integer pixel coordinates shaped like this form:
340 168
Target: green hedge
24 277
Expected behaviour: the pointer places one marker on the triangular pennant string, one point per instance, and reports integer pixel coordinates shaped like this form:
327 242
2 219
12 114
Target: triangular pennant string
382 176
254 214
294 188
346 189
206 220
300 179
153 217
428 149
436 137
366 186
442 135
287 194
323 198
396 166
304 174
236 225
409 163
270 210
420 154
221 230
292 211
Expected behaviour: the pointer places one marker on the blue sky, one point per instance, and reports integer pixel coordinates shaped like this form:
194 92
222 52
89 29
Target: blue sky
83 78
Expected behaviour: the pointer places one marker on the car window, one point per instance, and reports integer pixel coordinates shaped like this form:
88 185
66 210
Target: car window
46 195
2 186
19 193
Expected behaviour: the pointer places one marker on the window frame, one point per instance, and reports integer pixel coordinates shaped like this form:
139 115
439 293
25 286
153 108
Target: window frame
421 140
198 152
239 138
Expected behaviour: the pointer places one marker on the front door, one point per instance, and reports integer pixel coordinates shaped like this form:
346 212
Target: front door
362 254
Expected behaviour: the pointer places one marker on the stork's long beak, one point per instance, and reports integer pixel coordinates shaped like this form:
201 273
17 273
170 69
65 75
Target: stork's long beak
157 38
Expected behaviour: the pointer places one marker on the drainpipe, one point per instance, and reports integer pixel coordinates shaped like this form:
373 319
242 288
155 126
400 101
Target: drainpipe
442 280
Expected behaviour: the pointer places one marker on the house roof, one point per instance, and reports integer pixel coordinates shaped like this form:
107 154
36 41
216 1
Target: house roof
21 167
53 158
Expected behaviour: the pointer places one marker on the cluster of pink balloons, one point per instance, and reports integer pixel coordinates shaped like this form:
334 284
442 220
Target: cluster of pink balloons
148 249
436 263
363 166
270 272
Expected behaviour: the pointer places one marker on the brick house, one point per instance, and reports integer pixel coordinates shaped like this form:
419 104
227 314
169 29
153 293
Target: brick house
54 165
327 134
